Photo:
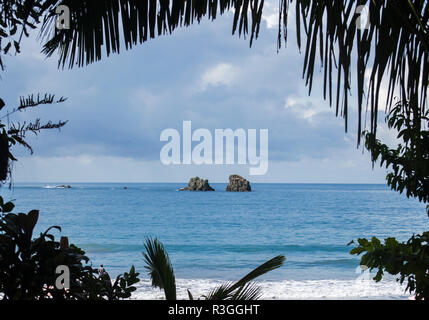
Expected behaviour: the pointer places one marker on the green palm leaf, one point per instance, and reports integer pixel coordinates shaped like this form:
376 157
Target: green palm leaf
227 291
159 268
112 23
250 291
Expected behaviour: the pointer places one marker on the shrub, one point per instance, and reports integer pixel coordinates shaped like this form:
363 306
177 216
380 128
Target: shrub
28 266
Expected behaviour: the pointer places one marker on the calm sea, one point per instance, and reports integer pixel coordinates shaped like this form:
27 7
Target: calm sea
213 237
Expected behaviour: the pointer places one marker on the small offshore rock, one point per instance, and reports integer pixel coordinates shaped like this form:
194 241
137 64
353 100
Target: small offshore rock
197 184
63 186
238 184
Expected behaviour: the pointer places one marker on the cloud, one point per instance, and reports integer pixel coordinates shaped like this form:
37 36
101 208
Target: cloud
305 107
270 14
145 100
220 74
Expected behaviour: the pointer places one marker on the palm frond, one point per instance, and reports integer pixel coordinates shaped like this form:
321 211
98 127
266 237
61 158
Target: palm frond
220 293
227 291
190 296
108 23
394 48
159 268
268 266
250 291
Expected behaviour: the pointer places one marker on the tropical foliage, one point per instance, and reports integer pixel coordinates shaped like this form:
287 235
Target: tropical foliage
28 267
161 273
409 165
13 133
409 162
17 18
408 260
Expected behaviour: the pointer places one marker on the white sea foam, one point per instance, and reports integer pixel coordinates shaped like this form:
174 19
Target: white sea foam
287 289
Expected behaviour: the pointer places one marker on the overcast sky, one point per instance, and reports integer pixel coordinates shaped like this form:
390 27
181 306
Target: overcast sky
118 107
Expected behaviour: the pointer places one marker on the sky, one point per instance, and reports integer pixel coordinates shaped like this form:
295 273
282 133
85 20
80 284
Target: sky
117 108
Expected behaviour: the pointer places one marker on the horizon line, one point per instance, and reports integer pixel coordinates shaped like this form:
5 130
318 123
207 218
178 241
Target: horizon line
129 182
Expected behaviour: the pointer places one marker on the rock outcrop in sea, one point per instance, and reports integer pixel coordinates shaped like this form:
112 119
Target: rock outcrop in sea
238 184
198 184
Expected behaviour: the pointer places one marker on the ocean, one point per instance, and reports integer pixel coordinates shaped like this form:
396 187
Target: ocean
214 237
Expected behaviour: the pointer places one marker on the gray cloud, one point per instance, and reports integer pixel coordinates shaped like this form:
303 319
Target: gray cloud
118 107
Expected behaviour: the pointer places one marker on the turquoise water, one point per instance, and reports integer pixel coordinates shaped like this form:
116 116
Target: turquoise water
221 235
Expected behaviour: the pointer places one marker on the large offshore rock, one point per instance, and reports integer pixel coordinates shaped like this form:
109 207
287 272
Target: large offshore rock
238 184
198 184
